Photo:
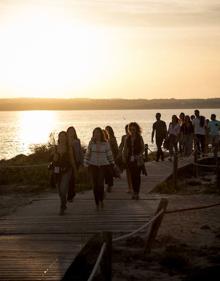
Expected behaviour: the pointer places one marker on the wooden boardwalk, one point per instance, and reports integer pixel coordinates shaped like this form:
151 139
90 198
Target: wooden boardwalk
38 244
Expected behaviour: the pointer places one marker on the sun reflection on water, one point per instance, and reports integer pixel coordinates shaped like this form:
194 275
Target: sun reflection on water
35 127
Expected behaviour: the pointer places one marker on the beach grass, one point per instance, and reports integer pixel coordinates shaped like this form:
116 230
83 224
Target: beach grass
31 171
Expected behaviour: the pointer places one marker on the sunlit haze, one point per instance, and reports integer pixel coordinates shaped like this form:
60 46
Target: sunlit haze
109 49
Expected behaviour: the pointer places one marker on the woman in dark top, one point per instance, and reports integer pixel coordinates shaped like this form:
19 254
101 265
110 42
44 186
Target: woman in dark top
63 165
123 165
187 133
75 144
109 177
133 156
112 141
181 137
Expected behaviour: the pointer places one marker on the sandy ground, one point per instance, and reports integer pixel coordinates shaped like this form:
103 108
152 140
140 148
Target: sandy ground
187 245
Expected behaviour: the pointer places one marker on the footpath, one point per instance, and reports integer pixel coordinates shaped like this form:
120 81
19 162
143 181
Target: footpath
38 244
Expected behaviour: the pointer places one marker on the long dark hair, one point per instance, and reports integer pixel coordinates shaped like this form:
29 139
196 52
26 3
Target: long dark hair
126 129
105 134
59 135
175 118
74 130
110 131
137 127
101 134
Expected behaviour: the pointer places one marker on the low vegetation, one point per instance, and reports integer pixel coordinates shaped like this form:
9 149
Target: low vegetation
30 173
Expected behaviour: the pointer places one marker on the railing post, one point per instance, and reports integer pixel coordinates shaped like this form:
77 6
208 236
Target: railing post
175 168
217 174
152 233
106 264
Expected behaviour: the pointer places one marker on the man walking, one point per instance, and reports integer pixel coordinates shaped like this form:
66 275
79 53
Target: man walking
214 133
199 124
161 132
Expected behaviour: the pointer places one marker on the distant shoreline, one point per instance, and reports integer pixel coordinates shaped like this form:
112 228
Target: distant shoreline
109 109
25 104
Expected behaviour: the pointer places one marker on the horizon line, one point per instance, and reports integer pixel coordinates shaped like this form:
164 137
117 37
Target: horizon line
85 98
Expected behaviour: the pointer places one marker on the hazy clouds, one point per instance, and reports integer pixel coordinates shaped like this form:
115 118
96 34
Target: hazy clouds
132 12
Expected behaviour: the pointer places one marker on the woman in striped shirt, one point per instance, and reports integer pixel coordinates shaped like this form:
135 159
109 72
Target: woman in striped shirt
98 156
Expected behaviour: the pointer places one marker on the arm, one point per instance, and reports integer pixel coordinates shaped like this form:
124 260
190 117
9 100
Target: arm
166 131
87 156
152 135
53 156
142 145
109 154
80 153
125 152
72 159
115 149
178 132
121 146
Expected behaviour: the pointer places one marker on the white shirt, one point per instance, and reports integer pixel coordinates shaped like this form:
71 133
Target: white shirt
198 130
174 130
98 154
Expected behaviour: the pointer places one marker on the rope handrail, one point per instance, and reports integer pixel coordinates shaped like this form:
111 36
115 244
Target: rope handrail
204 165
24 166
122 237
192 208
92 275
158 214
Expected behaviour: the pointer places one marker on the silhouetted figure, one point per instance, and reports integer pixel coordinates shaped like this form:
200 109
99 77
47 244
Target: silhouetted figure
121 164
181 142
63 166
214 133
75 144
98 156
173 133
199 125
109 176
160 128
133 156
187 133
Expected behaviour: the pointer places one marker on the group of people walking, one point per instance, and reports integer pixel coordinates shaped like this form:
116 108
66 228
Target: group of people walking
185 133
103 158
106 160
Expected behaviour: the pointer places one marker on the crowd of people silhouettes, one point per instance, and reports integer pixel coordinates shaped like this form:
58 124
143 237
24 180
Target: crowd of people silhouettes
105 160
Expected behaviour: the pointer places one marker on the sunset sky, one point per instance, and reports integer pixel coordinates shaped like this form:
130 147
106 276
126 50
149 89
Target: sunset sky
110 48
